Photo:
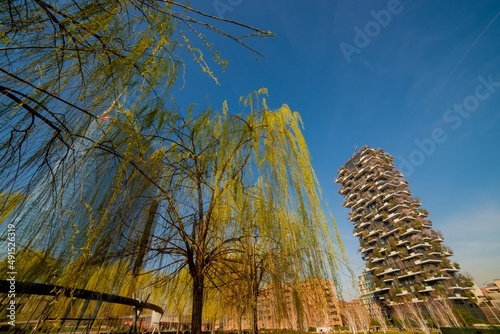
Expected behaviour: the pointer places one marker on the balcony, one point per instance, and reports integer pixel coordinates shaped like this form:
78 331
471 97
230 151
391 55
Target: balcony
373 232
402 293
447 253
363 224
344 190
415 202
434 253
458 296
365 249
383 175
413 255
426 289
422 214
393 253
427 224
402 242
386 185
354 217
373 199
360 201
456 287
398 206
393 303
361 171
404 191
364 158
344 175
360 209
420 245
436 278
428 261
371 269
378 290
347 204
386 234
408 217
392 215
409 274
377 259
384 206
438 239
450 270
409 231
389 196
388 271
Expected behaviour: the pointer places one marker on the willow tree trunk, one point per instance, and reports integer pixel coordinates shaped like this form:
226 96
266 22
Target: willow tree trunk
179 324
255 313
196 316
255 303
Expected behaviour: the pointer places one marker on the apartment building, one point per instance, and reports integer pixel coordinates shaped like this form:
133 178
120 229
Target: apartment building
312 303
489 297
406 260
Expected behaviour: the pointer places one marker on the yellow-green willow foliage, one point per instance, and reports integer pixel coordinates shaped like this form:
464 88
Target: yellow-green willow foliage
237 185
284 238
8 203
221 203
96 208
64 65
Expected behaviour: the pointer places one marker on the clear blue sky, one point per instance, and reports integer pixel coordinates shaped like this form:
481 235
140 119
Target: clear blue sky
419 79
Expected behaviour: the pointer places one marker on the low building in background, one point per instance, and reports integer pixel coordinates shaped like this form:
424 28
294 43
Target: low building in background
312 304
489 301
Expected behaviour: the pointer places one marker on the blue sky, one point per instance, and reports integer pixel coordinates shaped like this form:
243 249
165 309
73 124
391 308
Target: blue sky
419 79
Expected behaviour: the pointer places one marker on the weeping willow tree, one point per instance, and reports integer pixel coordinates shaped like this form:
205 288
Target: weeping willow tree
227 179
103 178
70 156
154 193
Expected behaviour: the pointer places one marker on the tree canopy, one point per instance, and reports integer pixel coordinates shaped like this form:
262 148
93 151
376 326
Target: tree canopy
67 64
104 178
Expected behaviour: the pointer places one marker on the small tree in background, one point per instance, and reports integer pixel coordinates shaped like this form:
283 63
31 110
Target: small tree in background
400 316
379 316
415 314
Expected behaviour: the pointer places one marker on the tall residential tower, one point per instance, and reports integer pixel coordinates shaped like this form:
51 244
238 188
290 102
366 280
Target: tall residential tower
406 261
